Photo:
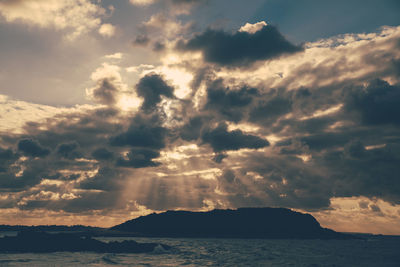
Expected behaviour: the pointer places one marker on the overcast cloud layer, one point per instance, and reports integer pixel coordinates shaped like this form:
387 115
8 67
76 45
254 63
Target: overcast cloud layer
224 119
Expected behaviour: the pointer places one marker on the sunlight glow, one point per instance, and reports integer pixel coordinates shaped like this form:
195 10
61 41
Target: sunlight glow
129 102
321 113
180 78
305 157
245 127
361 214
375 146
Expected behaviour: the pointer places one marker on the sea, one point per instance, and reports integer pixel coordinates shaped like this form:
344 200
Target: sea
370 251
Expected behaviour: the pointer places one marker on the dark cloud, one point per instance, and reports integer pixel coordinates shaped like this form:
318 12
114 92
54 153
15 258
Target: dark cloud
192 129
363 204
91 201
105 91
7 157
97 133
229 183
268 109
375 208
87 128
141 40
106 112
239 48
378 103
106 179
219 157
360 172
88 202
69 150
139 158
321 140
32 148
21 177
339 163
151 87
278 181
70 136
158 46
221 139
228 102
345 164
102 154
143 132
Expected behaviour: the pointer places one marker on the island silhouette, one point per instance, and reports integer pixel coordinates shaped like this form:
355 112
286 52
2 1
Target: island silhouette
263 223
238 223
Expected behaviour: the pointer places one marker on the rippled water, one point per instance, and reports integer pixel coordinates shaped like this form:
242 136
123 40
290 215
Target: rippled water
376 251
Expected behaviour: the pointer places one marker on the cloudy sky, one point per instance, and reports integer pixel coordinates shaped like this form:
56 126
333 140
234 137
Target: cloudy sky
111 109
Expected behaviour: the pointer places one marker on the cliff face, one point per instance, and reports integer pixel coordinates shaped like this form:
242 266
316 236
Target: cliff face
240 223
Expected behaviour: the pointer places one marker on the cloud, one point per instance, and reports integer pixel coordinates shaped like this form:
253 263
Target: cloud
76 17
142 2
192 129
239 48
69 150
163 25
106 179
109 84
271 107
142 132
16 113
32 148
377 103
7 158
104 92
221 140
140 68
139 158
107 30
114 56
141 40
253 28
363 217
174 2
102 154
151 87
162 29
229 102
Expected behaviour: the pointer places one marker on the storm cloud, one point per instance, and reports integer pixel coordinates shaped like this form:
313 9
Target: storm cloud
139 158
221 139
151 88
229 102
32 148
142 132
239 48
377 103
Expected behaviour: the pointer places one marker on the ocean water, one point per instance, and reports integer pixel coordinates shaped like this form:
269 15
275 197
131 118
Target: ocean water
374 251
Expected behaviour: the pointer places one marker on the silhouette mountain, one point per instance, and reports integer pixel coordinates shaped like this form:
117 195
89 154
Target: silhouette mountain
50 228
41 242
240 223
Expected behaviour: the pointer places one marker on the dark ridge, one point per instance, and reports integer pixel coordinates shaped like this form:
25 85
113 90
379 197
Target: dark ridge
49 228
240 223
41 242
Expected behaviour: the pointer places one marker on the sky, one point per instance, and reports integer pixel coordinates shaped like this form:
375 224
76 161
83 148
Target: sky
115 109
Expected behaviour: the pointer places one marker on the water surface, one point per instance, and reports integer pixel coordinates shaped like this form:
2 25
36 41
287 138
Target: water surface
374 251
